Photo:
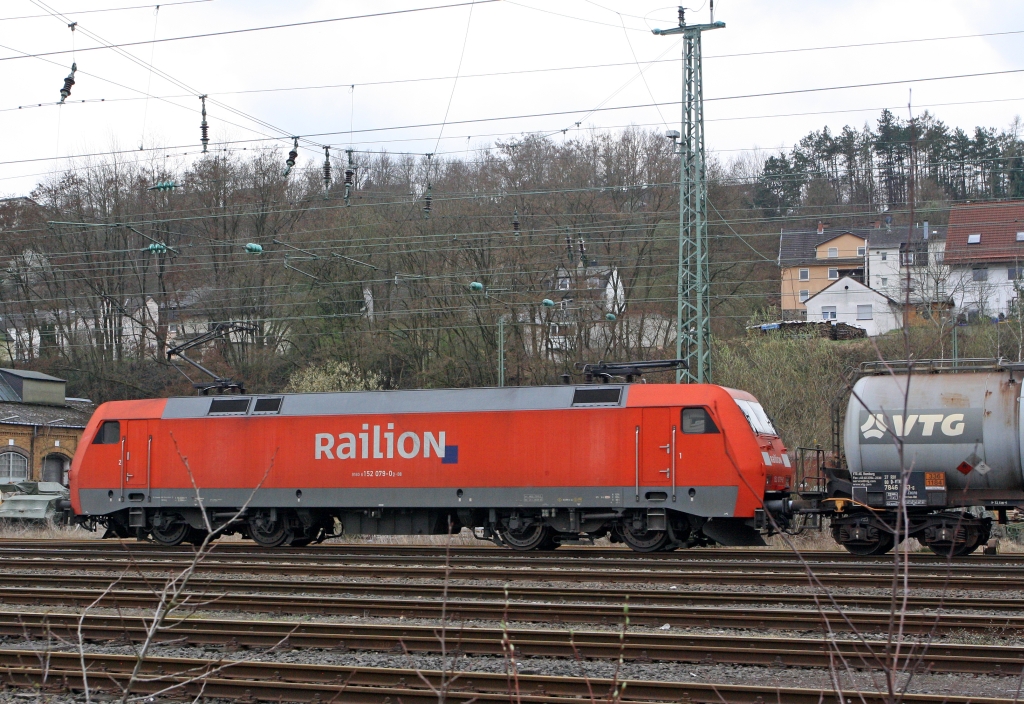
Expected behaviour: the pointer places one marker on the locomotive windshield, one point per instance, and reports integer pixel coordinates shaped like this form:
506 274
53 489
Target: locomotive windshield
756 416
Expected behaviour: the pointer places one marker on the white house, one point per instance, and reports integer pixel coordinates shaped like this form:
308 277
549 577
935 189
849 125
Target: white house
891 257
985 252
851 302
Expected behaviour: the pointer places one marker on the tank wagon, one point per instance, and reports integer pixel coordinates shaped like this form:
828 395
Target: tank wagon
939 441
657 466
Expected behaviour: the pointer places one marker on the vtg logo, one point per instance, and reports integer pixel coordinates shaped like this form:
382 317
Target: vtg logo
923 426
408 445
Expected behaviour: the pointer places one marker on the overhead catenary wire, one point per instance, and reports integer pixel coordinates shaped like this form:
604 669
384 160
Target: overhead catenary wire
227 32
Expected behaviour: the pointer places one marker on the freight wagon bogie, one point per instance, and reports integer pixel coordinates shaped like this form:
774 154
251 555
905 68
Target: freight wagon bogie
946 533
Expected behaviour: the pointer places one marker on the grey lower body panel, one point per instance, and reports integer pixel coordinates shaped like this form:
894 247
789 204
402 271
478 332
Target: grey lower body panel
706 501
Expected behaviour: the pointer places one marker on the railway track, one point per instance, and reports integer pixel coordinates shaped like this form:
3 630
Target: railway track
279 681
708 574
758 617
329 550
924 576
643 647
462 592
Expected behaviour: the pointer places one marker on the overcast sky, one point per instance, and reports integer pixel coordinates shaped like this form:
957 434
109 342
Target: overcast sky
495 37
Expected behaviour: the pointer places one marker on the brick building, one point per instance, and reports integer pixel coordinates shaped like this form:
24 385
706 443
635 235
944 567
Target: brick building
39 427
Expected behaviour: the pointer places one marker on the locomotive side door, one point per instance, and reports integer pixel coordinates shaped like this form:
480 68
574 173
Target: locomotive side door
657 444
136 454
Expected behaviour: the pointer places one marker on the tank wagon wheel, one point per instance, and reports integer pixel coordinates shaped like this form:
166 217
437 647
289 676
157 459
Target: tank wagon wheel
960 548
269 533
642 540
881 543
170 530
531 537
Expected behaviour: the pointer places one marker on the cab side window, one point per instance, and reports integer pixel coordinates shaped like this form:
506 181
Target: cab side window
697 421
108 434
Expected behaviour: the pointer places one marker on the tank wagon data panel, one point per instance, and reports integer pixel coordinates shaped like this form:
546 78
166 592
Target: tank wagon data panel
653 464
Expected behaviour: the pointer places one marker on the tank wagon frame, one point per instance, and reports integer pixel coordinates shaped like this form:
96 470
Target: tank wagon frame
657 466
921 448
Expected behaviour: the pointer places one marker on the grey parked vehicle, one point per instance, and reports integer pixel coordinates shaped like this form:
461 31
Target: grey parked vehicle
37 502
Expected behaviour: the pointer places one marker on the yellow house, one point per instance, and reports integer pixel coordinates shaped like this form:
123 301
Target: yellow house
811 261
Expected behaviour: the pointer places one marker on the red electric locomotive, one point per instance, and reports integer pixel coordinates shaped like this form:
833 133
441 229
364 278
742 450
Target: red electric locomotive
659 466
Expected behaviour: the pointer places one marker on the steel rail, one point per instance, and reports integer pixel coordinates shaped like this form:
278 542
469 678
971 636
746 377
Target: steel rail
705 573
435 590
633 646
280 681
518 560
758 616
328 549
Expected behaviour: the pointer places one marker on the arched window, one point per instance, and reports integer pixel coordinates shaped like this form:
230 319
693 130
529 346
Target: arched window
13 467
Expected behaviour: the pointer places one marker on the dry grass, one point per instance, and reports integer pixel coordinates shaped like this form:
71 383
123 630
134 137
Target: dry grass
24 530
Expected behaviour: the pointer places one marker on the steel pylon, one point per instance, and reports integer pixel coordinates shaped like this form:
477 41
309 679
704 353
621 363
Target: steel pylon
693 293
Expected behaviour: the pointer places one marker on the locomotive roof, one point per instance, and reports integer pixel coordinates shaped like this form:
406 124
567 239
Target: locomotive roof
518 398
534 398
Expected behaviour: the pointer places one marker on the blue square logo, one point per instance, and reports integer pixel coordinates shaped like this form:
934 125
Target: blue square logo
451 454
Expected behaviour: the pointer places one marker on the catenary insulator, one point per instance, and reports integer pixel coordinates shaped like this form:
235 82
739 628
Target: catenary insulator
68 82
350 173
515 222
292 156
568 246
427 200
204 128
327 170
583 250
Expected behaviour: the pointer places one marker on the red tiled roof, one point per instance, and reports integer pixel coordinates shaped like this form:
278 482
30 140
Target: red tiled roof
997 222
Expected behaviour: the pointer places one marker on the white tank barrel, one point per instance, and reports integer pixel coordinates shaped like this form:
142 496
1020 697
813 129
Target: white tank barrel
965 426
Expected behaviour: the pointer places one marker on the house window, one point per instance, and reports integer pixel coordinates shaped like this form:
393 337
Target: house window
861 251
908 259
804 295
805 274
13 467
1020 236
885 255
885 280
833 252
833 274
864 312
980 274
939 257
828 312
974 239
1014 272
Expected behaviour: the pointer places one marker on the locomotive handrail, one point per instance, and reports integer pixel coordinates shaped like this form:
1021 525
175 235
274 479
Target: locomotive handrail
636 461
673 463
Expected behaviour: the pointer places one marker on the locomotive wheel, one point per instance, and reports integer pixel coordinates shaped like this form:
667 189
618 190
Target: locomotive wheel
644 540
171 534
267 533
549 543
532 537
196 536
